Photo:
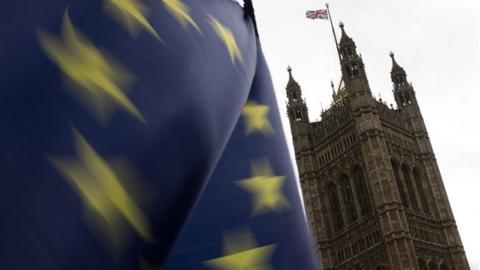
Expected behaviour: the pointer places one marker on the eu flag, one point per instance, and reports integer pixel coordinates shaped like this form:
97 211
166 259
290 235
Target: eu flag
141 134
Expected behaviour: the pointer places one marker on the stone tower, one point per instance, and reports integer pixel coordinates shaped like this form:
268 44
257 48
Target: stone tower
373 191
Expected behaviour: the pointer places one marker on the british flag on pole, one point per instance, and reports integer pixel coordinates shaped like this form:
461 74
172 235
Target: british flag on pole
317 14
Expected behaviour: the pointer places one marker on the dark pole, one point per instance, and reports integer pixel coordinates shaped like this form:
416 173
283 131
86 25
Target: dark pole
334 35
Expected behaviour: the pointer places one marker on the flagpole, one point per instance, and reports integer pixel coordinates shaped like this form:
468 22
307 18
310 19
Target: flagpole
334 35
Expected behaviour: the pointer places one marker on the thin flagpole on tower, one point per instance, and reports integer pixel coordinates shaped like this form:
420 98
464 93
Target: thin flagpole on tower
334 34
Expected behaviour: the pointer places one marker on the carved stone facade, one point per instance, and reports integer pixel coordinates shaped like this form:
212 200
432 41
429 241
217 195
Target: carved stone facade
373 191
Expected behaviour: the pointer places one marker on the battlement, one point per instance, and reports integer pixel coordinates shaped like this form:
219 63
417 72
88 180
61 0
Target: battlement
332 119
391 115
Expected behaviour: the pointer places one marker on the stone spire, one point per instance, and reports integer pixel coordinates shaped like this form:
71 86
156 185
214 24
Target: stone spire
345 40
397 71
291 81
402 90
296 106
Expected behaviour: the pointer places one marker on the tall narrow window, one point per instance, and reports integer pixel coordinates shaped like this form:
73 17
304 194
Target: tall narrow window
400 81
298 115
421 190
410 189
348 198
335 209
398 181
354 70
349 51
404 102
294 96
362 191
408 99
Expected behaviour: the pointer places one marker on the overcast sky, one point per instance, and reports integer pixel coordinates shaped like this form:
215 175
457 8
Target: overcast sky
436 41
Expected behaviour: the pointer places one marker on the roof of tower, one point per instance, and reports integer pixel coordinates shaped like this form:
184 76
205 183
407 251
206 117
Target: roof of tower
291 80
345 39
396 68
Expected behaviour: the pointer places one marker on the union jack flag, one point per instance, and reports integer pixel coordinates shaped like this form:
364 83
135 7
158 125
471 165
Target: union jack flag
317 14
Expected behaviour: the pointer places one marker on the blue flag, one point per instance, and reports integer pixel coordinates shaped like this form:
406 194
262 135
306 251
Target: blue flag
141 134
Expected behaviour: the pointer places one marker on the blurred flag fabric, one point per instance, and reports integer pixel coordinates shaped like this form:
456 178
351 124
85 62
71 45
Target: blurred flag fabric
317 14
141 134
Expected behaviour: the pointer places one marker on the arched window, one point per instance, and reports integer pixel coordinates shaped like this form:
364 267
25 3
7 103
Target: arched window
402 98
408 98
294 96
298 115
362 191
348 198
335 209
410 189
398 81
353 70
398 181
421 190
347 52
422 265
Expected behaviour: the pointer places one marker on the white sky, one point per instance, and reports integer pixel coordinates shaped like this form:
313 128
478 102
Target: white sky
436 41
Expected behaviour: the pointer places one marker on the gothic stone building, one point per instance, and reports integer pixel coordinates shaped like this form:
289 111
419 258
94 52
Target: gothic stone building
372 187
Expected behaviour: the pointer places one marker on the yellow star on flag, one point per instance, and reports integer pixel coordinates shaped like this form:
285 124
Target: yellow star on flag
242 254
256 118
101 190
227 37
181 12
98 80
265 188
132 14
